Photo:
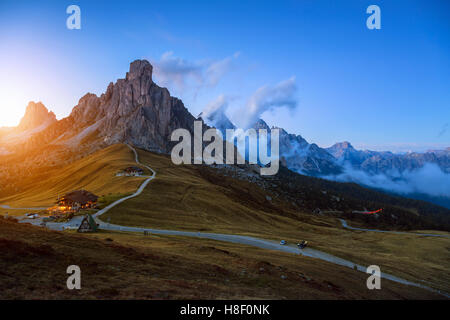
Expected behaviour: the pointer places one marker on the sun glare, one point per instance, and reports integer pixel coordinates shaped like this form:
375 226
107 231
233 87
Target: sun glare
12 107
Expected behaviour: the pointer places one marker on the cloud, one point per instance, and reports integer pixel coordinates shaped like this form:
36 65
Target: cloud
218 69
219 105
170 69
268 98
181 73
429 179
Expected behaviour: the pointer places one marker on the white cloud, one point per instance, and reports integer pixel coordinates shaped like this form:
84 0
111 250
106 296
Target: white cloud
219 105
268 98
218 69
181 73
429 179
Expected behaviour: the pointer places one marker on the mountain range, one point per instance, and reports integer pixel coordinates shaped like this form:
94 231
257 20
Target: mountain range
135 110
299 155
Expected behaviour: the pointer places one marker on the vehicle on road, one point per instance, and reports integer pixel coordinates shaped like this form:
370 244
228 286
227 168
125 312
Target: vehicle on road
283 242
302 245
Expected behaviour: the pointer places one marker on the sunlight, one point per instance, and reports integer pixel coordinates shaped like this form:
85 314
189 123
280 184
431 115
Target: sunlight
12 106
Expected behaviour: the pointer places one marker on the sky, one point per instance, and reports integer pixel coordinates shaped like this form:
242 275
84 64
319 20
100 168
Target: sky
312 66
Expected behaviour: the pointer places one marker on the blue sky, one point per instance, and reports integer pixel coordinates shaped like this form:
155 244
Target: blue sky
379 89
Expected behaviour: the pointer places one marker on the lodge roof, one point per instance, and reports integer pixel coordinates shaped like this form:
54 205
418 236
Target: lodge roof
80 196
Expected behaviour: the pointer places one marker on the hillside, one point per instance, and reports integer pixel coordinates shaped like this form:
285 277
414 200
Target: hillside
95 172
202 198
126 266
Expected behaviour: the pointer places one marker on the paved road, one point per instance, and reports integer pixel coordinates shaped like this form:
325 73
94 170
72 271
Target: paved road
345 225
264 244
245 240
9 208
76 221
137 193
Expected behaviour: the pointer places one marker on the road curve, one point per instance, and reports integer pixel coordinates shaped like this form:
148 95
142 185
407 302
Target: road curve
345 225
137 193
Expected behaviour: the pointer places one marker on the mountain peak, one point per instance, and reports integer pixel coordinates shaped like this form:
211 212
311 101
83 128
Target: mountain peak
36 114
260 124
140 68
343 145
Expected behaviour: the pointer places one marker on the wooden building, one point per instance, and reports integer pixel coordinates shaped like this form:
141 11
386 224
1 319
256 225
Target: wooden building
77 200
88 224
131 172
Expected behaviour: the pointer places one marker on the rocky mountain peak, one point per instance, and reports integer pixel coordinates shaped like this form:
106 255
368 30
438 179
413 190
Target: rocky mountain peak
139 69
260 124
344 145
36 114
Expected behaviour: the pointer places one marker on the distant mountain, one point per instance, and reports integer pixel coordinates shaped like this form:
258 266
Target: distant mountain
300 156
218 120
36 115
295 152
407 174
373 162
36 119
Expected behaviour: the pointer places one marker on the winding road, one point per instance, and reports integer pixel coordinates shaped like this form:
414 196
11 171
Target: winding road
345 225
245 240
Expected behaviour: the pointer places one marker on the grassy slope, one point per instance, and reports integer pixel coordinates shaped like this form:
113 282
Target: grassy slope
34 260
95 173
181 198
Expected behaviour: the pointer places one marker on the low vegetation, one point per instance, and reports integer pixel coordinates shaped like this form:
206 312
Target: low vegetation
33 265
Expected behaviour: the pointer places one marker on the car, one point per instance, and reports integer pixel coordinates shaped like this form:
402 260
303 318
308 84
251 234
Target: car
302 245
283 242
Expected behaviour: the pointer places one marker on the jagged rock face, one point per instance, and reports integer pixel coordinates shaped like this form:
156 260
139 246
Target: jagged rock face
300 156
295 152
341 149
36 115
135 110
344 152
